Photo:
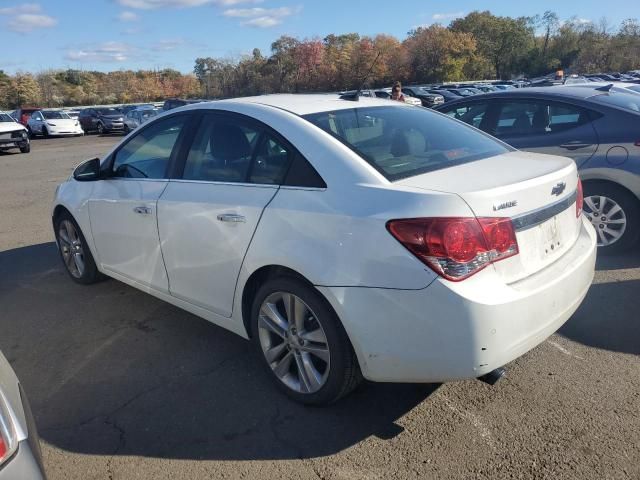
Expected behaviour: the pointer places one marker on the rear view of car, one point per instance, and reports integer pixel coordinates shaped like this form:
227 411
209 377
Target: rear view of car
20 456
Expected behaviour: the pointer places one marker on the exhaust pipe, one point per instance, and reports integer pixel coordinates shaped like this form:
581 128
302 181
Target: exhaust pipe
493 376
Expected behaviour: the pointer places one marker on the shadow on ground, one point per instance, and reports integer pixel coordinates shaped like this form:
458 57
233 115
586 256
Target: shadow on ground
620 261
110 370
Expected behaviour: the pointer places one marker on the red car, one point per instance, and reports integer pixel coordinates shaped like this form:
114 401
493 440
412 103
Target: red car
23 114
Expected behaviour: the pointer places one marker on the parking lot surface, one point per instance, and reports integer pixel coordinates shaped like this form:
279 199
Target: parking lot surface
124 386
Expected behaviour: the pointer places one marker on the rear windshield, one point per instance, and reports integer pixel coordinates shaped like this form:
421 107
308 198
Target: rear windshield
402 142
108 111
628 101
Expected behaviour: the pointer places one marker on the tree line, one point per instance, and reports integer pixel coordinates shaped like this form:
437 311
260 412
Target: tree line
478 46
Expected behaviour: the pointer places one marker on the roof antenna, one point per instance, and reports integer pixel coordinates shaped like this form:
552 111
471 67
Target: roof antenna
605 88
354 97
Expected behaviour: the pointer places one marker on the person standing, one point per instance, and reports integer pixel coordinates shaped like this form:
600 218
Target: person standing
396 92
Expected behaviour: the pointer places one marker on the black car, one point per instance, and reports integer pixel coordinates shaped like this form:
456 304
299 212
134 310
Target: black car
428 99
172 103
101 120
596 127
446 94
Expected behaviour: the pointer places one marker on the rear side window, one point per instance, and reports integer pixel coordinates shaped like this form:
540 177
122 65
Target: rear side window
538 117
628 101
404 141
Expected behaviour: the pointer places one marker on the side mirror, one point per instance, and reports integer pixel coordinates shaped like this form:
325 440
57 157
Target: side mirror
88 171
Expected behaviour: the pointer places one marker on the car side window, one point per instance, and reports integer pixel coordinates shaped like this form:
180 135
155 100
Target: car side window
538 118
270 163
221 151
147 154
469 113
564 117
36 116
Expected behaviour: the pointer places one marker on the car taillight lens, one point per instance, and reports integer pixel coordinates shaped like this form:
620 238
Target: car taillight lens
579 199
456 247
8 440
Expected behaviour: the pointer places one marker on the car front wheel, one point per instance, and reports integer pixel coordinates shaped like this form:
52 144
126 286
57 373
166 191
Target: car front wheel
615 215
74 252
304 347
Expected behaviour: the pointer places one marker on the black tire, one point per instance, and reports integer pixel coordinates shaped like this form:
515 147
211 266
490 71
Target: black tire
344 373
45 132
100 128
629 205
126 129
90 273
26 148
29 132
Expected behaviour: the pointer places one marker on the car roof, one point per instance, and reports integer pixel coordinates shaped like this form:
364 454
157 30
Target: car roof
304 104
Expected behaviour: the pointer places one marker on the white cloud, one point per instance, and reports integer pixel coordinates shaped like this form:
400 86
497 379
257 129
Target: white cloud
127 16
26 8
107 52
27 22
261 17
153 4
27 17
582 21
167 45
447 16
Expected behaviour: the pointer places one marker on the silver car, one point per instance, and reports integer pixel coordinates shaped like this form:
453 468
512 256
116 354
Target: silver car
597 128
20 456
134 118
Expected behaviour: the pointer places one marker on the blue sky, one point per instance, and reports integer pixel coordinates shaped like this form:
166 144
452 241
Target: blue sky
120 34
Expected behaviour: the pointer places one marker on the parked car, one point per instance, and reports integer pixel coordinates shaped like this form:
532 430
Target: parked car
427 99
347 240
22 115
464 92
447 95
20 456
73 113
172 103
597 129
101 120
614 86
13 134
53 123
134 118
124 109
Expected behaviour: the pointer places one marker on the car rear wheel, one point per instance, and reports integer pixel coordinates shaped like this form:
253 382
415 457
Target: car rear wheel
304 347
615 215
74 252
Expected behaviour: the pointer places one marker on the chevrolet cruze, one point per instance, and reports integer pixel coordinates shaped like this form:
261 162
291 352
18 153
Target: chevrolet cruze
346 239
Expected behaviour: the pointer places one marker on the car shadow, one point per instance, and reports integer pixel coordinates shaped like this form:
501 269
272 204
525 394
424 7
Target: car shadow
110 370
619 261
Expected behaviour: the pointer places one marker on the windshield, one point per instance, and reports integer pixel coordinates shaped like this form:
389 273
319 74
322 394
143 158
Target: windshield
403 142
55 115
628 101
108 111
6 118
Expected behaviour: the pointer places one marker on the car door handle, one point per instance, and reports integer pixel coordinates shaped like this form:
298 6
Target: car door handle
142 210
575 145
232 218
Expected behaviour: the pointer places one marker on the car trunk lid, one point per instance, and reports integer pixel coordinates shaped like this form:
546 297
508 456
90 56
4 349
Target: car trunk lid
538 192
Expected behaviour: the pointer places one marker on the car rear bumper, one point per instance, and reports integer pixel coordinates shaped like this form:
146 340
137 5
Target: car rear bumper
23 465
458 330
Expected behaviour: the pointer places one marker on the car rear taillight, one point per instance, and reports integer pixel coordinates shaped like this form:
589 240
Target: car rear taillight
579 199
8 440
456 247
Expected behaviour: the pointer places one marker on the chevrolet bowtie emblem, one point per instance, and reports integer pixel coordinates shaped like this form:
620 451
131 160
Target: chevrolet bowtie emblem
558 189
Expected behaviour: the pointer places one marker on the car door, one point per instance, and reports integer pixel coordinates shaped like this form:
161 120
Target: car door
36 122
544 126
122 209
207 216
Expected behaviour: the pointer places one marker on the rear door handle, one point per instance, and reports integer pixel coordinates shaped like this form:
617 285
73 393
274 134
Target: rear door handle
232 218
142 210
575 145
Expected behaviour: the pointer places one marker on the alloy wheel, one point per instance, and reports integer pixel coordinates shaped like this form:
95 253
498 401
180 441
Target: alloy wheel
293 342
71 248
607 217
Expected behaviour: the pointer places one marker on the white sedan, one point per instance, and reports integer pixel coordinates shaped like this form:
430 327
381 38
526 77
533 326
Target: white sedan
53 123
347 239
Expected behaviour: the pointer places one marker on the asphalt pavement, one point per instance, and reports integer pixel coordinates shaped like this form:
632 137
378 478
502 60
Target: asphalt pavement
125 386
